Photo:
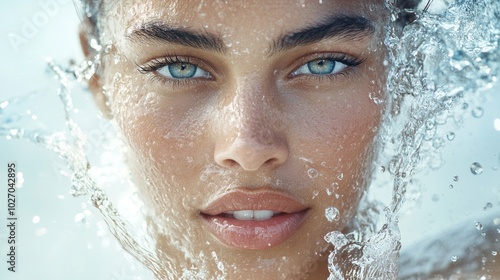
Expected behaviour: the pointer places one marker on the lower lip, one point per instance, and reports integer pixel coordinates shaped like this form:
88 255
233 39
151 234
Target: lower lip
255 234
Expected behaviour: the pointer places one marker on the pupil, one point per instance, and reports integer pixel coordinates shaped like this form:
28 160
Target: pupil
321 66
182 70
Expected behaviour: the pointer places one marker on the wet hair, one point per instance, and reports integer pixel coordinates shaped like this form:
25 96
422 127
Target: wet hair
90 12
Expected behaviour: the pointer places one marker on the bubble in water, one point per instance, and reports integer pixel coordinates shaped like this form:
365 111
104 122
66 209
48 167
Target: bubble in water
451 186
479 226
312 173
455 178
454 258
488 206
450 135
382 169
477 112
36 219
476 168
332 214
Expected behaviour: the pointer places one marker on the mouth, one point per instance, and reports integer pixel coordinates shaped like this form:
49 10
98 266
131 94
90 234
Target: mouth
254 219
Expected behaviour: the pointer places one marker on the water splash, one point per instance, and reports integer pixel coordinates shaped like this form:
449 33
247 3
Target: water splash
71 147
439 64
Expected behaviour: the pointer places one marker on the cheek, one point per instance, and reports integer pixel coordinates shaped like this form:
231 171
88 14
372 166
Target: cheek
338 140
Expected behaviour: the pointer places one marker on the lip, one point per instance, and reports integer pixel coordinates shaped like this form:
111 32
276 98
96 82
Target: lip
254 234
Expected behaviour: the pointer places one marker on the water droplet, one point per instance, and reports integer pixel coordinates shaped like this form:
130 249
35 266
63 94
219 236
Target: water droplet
465 106
36 219
80 218
477 112
315 193
382 169
454 258
451 186
476 168
496 124
4 104
13 132
493 253
329 191
312 173
450 135
455 178
394 166
332 214
488 206
340 176
479 226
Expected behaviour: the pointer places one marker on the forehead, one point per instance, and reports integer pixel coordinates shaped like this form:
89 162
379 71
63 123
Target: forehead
226 17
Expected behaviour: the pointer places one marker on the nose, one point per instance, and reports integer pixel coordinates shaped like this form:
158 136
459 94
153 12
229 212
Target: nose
250 136
252 154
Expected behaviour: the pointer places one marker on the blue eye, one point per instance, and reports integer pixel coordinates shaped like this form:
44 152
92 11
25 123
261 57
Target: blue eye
181 70
322 66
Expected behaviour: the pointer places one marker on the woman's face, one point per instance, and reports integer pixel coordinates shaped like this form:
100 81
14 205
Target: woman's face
245 123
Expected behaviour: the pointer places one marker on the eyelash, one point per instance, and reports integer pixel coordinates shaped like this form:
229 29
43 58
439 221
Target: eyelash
157 63
349 61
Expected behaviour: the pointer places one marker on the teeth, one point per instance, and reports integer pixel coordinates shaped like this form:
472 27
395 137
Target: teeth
253 214
262 214
243 215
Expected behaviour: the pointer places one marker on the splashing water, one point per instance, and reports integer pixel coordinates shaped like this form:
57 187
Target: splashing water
438 63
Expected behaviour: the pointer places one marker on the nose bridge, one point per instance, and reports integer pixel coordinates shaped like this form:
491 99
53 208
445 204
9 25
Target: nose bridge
254 116
251 129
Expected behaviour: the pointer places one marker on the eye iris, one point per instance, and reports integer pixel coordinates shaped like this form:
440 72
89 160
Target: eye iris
321 66
182 70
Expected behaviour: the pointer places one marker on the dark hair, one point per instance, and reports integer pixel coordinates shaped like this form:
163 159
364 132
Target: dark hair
90 13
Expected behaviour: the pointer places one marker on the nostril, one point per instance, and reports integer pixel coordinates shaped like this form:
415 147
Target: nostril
270 161
229 163
251 155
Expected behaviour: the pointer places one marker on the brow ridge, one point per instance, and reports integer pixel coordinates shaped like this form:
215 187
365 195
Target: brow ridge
344 27
158 31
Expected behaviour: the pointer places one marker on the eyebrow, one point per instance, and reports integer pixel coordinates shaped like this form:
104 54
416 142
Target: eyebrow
157 31
341 26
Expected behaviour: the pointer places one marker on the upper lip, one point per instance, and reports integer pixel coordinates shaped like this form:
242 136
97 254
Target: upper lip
253 199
